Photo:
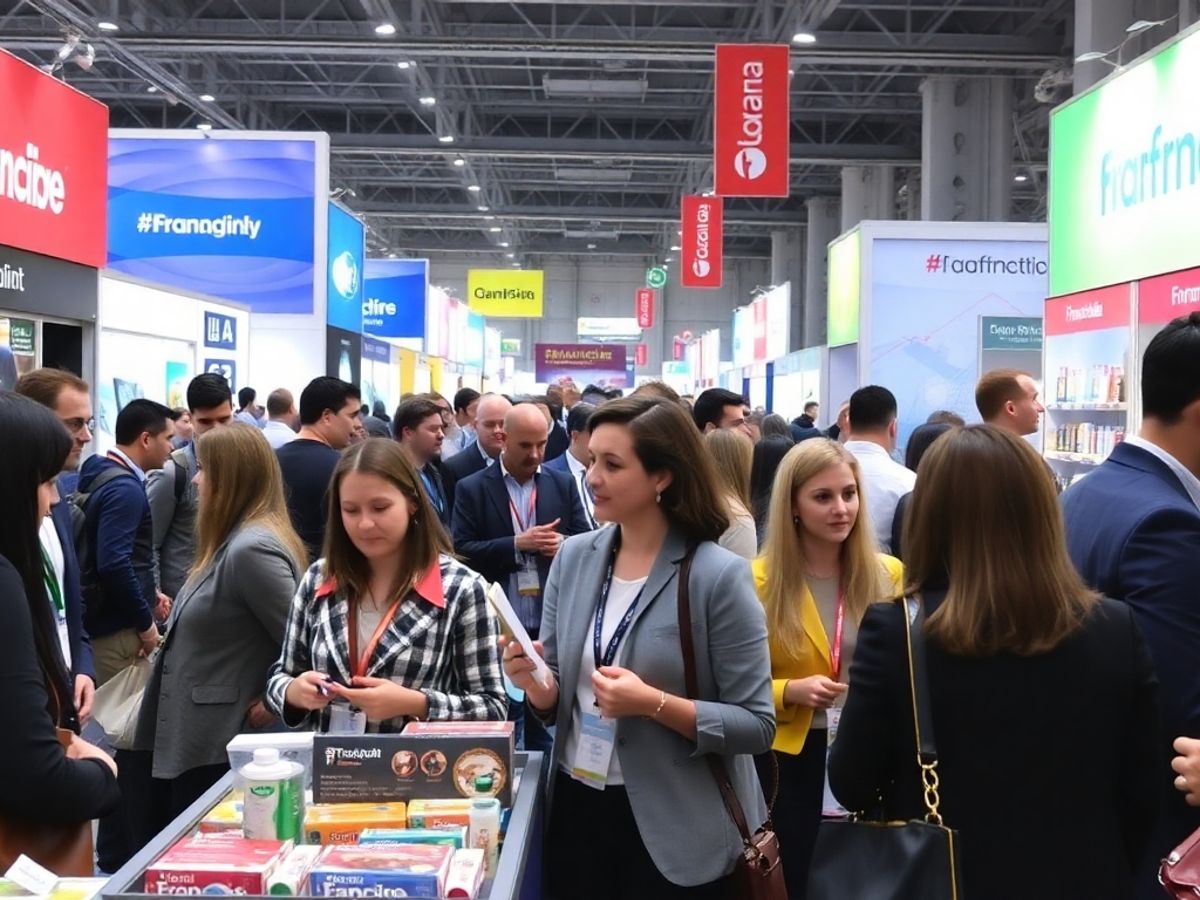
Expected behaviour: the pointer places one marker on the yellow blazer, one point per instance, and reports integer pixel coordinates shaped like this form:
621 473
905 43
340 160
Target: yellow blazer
814 657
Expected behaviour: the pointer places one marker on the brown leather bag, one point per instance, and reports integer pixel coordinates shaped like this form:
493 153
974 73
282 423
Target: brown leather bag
65 850
758 874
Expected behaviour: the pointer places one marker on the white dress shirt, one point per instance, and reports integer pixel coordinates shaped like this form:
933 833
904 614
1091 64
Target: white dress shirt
1190 482
578 475
278 434
48 535
885 481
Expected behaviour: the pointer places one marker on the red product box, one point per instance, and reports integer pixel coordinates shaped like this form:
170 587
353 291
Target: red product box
216 864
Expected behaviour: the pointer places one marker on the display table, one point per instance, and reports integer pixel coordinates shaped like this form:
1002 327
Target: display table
518 876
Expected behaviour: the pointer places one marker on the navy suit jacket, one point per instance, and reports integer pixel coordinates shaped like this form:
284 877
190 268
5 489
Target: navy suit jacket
558 464
1134 534
81 646
482 524
461 465
557 443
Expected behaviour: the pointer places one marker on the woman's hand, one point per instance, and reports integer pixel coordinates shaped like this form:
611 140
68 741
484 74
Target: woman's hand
308 691
620 693
1187 767
519 668
814 692
382 699
258 716
81 749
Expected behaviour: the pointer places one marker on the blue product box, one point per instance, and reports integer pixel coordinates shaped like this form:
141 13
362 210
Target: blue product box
381 870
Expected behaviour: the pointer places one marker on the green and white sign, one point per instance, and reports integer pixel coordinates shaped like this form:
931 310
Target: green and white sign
844 288
21 336
1125 174
656 277
1010 333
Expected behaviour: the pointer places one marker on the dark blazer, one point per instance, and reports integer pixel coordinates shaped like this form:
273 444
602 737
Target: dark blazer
483 527
1042 759
463 464
1134 534
898 526
434 471
81 645
558 464
557 443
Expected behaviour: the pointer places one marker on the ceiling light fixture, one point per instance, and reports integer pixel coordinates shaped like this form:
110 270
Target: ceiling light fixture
205 126
385 29
391 256
427 100
483 208
108 26
510 255
675 247
446 139
591 246
151 89
504 243
404 64
207 98
1020 179
804 37
495 229
1090 56
474 188
459 161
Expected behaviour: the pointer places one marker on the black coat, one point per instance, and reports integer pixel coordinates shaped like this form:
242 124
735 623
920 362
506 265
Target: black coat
1047 763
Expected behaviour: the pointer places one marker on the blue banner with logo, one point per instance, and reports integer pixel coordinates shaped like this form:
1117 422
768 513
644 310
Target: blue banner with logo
376 351
231 218
394 302
344 293
220 331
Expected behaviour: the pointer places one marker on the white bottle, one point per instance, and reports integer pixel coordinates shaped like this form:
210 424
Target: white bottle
485 831
273 804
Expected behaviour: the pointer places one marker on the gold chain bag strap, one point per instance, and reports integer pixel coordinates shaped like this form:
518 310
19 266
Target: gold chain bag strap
758 874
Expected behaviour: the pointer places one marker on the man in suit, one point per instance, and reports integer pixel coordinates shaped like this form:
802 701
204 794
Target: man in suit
509 523
418 423
66 395
1133 530
489 431
575 461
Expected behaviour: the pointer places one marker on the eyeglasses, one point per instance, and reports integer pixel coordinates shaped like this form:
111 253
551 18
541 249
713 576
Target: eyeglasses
77 425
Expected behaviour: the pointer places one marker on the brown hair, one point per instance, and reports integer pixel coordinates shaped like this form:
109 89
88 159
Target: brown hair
243 486
659 389
996 388
733 456
984 514
423 542
45 384
666 440
864 578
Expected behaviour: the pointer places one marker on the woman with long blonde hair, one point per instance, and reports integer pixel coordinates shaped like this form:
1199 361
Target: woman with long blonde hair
733 454
819 572
226 626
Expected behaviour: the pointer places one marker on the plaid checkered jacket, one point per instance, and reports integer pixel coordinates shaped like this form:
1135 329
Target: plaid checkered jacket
448 654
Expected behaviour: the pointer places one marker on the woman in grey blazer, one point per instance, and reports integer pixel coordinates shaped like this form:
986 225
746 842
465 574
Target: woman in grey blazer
225 629
632 790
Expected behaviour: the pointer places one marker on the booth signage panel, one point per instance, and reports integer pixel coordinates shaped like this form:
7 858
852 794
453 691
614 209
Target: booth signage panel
641 355
1168 297
343 355
228 217
612 328
703 242
49 287
751 124
644 305
376 351
844 289
395 292
510 346
1011 332
506 293
226 368
53 166
1125 174
600 364
1088 311
220 331
344 280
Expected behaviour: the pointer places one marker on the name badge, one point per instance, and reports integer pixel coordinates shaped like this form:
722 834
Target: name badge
344 719
597 737
830 808
529 584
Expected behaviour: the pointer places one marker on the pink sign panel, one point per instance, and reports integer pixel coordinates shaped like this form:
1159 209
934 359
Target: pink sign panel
1168 297
1088 311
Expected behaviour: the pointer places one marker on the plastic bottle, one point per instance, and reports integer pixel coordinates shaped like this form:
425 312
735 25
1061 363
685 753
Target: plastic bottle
273 805
484 832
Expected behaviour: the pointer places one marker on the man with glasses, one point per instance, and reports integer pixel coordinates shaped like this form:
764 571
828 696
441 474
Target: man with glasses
66 395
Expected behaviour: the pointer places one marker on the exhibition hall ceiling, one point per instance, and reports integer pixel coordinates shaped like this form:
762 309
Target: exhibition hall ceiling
554 126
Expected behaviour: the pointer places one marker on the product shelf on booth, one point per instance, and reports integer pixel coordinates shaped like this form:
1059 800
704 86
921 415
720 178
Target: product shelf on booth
1089 407
1085 459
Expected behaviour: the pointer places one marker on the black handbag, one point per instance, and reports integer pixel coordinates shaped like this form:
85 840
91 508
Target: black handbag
880 860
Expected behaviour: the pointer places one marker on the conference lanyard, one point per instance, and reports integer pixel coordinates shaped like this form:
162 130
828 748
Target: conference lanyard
358 664
435 495
52 584
609 653
523 525
839 620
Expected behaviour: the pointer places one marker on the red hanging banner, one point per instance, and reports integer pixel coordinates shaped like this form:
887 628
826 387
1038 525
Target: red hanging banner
703 237
751 124
645 307
641 355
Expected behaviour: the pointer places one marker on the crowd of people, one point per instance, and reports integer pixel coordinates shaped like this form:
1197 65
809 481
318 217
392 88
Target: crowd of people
325 565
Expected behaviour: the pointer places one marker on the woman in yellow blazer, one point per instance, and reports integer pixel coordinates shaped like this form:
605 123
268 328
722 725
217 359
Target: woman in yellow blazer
819 572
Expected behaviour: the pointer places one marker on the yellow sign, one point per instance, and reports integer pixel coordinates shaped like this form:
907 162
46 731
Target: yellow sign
506 293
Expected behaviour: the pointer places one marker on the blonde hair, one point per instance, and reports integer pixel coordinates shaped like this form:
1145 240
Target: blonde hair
864 579
243 486
985 516
733 454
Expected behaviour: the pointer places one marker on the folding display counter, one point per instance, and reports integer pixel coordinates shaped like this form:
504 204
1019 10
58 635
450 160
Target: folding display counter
518 875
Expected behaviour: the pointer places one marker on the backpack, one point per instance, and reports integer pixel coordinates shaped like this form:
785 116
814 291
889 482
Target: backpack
78 503
179 457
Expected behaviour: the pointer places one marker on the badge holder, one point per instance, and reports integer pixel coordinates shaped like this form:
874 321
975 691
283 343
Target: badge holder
529 583
345 719
597 738
830 808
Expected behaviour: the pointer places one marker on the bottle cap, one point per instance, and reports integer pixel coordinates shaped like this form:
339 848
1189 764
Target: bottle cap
483 784
266 756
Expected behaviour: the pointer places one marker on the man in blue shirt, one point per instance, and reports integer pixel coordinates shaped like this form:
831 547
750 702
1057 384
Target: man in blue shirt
418 424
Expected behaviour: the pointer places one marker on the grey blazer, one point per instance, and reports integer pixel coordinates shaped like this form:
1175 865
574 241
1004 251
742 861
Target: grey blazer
674 797
225 631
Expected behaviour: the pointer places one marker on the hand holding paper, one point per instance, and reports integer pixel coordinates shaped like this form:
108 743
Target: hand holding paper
512 624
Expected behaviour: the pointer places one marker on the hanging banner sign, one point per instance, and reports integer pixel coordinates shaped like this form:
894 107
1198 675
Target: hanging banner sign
641 355
506 293
751 141
703 237
645 307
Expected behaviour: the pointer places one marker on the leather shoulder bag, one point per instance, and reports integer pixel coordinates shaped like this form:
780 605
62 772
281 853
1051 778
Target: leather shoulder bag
915 860
758 874
1179 873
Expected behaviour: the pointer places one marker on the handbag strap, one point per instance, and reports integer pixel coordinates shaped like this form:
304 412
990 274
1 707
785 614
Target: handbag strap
716 764
918 681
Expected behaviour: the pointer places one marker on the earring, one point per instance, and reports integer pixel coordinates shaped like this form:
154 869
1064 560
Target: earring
658 497
796 521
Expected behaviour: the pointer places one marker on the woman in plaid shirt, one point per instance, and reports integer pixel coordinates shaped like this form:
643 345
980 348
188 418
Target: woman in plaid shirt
388 621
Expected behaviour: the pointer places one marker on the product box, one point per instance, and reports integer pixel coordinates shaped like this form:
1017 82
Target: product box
343 823
452 837
225 816
466 874
216 864
385 870
290 878
428 760
439 813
